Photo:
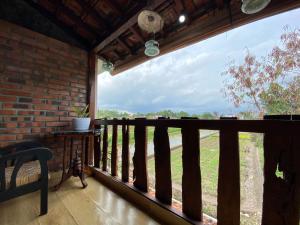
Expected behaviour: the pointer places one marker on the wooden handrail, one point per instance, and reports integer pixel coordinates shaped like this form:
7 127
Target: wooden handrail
281 148
255 126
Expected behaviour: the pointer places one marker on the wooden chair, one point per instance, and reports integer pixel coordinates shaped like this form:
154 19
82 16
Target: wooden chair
23 169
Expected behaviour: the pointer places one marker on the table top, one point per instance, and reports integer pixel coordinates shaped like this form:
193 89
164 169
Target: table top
77 132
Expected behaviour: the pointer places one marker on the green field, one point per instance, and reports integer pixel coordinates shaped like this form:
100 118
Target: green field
209 162
150 135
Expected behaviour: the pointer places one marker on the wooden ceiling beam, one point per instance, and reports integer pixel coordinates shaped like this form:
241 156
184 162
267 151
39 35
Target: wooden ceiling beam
68 29
137 34
124 45
91 11
179 6
69 13
125 26
113 4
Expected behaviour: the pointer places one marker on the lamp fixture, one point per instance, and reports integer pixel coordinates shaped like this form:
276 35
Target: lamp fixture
254 6
107 66
182 18
151 22
152 48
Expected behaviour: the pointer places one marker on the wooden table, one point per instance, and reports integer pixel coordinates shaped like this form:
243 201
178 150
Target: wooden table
75 165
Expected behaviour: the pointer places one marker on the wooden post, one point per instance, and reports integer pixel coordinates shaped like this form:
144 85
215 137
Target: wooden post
281 198
162 153
140 174
97 149
92 102
191 177
125 153
105 145
228 210
114 151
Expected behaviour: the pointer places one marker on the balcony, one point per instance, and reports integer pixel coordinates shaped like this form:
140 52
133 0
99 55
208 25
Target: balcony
49 57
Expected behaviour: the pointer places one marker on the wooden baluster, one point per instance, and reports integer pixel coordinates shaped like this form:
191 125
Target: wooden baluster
125 153
162 153
191 178
228 210
105 145
97 149
140 174
281 198
114 151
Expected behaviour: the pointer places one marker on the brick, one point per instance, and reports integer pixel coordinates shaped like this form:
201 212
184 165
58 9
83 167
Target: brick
57 124
8 137
25 113
65 118
46 118
7 99
8 125
7 112
21 106
25 100
15 131
14 93
45 107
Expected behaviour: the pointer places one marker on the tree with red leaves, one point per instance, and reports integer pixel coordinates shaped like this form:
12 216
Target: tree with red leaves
271 84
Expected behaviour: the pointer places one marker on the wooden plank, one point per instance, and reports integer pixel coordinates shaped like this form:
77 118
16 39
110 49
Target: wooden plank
97 149
76 19
257 126
68 29
125 153
92 87
228 209
162 154
137 34
191 177
114 151
125 26
105 146
281 198
139 159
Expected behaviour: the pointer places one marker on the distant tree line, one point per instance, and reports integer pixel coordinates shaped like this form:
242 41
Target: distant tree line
106 113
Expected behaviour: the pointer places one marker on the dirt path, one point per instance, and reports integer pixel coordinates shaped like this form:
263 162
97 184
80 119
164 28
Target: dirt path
253 184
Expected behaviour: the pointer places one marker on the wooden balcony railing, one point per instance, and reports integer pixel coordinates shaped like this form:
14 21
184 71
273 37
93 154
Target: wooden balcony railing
281 197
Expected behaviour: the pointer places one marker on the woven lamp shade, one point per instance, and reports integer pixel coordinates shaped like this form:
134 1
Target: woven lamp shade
150 21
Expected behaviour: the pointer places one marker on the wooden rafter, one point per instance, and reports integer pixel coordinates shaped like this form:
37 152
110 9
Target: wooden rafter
114 5
125 26
123 44
69 13
68 29
179 6
91 11
137 34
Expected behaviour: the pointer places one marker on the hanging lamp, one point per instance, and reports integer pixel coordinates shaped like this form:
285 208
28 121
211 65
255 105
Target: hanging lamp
254 6
151 22
107 66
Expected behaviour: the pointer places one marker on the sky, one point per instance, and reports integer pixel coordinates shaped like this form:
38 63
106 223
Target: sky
190 79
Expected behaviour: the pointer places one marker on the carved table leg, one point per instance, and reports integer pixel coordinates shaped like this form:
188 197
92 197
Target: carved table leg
63 176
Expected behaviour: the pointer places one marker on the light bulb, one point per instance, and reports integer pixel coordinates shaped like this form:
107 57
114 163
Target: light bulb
182 18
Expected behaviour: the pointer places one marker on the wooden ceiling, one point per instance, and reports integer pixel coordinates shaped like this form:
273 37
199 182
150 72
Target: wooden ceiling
109 27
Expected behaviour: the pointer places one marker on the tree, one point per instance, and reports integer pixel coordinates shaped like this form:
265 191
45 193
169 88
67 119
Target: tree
271 83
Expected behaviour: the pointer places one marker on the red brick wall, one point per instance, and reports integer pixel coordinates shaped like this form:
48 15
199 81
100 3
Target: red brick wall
40 80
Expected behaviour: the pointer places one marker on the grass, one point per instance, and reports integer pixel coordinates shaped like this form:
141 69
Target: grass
209 157
209 163
150 130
